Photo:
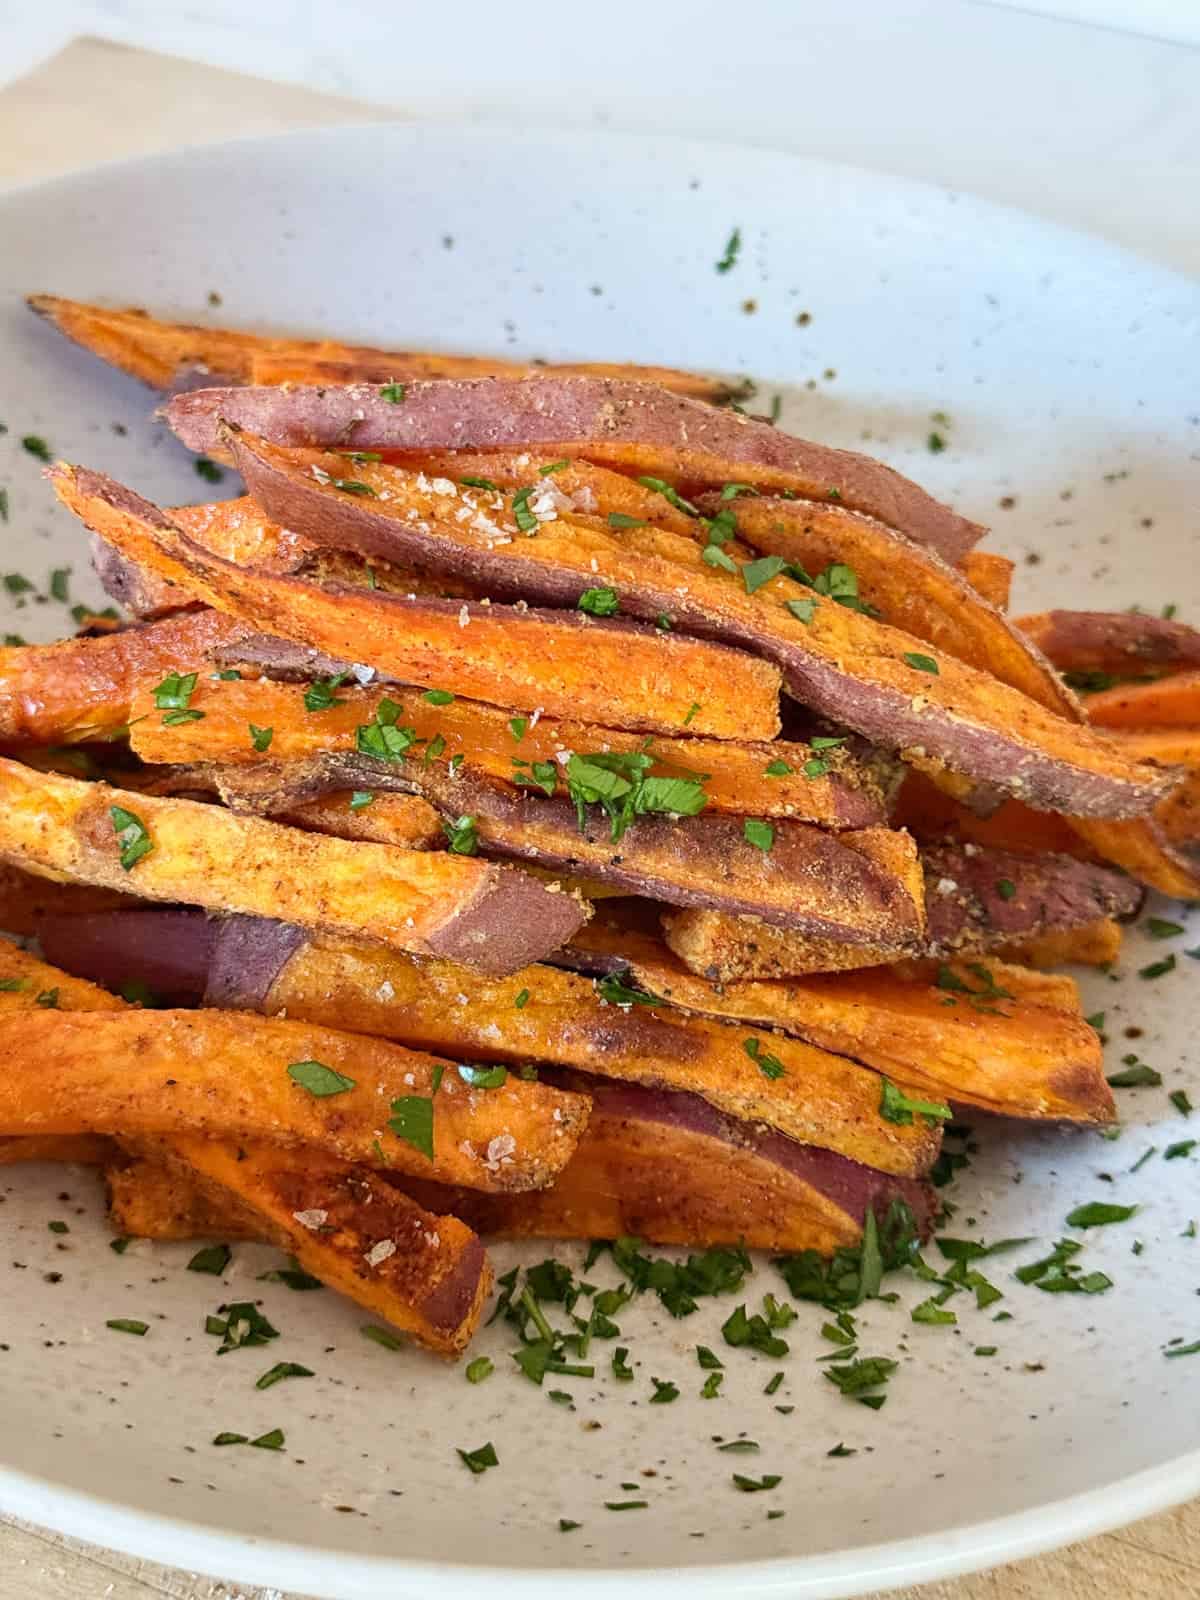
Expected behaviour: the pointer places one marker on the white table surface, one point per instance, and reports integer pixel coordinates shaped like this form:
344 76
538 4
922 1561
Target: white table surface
1092 127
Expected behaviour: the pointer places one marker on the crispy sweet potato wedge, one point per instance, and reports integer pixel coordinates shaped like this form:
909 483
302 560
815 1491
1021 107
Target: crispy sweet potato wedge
819 1100
163 354
1170 702
77 689
26 982
427 1274
912 588
969 907
858 886
847 666
1093 944
990 575
152 1198
1179 814
1125 643
604 671
627 425
928 812
955 1039
465 909
725 1183
488 742
224 1075
670 1169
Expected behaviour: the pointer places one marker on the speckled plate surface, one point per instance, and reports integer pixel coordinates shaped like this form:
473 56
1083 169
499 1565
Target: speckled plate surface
1068 373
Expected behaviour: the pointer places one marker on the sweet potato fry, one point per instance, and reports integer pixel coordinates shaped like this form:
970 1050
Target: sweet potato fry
847 666
669 1169
225 1075
1179 814
928 812
1124 643
910 587
487 742
563 1019
150 1197
627 425
163 354
426 1274
1170 702
1094 944
168 849
81 689
973 902
960 1038
566 664
858 886
26 982
1053 991
662 1166
990 575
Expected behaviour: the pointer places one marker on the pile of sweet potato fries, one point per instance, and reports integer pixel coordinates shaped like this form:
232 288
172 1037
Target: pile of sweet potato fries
550 802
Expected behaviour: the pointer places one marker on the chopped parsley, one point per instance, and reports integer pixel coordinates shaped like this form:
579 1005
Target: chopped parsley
599 602
482 1367
517 727
175 691
1175 1152
208 470
462 836
412 1121
361 799
319 696
664 1392
393 393
754 1332
620 1364
776 769
621 519
293 1276
758 833
1158 969
711 1386
769 1480
1179 1099
273 1440
438 697
1098 1214
483 1077
1005 888
280 1371
525 519
128 1325
770 1066
36 446
1136 1075
320 1081
354 486
728 259
1058 1272
59 580
617 989
619 784
133 837
213 1259
859 1379
47 999
241 1328
921 663
757 573
521 1000
670 495
935 443
691 712
1183 1350
1159 928
480 483
261 738
541 775
896 1106
382 1336
802 610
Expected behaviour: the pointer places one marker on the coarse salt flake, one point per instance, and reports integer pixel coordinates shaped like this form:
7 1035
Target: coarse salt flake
311 1219
378 1253
946 886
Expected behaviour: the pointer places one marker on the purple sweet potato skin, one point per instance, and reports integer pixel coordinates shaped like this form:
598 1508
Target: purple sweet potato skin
883 713
809 880
494 413
167 950
967 908
246 957
1116 641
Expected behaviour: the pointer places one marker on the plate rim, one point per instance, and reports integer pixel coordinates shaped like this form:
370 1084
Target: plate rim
332 1575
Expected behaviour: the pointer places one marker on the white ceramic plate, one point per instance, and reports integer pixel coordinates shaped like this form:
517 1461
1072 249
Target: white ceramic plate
1068 372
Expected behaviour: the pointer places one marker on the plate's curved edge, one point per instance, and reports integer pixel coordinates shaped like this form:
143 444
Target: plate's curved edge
330 1576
